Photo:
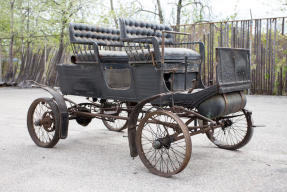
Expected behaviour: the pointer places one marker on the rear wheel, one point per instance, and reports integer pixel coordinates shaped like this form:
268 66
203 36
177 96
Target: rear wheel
157 145
116 109
236 132
43 122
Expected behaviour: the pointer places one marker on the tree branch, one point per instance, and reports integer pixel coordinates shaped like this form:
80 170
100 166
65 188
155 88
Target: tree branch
148 11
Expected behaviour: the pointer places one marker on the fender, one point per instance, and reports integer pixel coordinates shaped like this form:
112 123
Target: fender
62 107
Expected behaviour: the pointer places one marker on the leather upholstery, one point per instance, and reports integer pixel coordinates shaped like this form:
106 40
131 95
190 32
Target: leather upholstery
133 29
172 54
105 56
180 54
86 34
82 33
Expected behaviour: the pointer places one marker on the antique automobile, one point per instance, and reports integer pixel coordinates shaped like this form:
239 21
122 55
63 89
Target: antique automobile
141 79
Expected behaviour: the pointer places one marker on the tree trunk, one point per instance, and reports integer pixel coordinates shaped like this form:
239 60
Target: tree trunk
161 20
114 13
52 76
61 44
178 14
28 26
9 74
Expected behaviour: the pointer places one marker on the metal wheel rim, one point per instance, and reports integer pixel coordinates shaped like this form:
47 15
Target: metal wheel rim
117 124
42 136
155 166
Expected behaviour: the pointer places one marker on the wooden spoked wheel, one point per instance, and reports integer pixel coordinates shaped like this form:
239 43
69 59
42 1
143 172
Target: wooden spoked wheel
43 122
163 143
114 124
236 132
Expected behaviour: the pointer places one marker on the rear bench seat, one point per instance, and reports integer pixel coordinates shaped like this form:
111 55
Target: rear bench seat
93 44
132 29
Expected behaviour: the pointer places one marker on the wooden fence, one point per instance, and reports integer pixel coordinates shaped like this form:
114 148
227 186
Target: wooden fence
31 61
268 42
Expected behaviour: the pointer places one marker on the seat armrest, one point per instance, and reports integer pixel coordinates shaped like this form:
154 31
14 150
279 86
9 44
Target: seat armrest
78 51
147 40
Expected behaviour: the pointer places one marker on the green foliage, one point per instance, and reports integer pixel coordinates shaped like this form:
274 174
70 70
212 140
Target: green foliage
266 76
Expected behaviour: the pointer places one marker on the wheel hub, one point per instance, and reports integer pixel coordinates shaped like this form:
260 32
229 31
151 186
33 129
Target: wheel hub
162 142
47 123
227 123
157 144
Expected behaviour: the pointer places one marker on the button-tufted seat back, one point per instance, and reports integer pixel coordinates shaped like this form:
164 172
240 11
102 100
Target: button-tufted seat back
133 29
93 44
82 33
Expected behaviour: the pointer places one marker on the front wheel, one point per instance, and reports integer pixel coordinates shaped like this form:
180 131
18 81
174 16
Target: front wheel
43 122
236 131
163 143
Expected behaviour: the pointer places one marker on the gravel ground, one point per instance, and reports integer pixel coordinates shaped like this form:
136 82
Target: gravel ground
95 159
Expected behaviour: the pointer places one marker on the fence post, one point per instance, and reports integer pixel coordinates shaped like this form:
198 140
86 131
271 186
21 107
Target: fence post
250 47
0 60
44 78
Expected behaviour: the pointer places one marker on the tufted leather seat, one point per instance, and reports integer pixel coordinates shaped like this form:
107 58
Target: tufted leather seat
90 36
133 29
82 33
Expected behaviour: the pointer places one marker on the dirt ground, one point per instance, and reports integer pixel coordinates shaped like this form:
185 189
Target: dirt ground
95 159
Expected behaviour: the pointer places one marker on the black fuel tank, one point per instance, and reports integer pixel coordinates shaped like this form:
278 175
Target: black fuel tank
222 104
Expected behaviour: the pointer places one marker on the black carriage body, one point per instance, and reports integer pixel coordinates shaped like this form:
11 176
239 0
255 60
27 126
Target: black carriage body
92 81
107 64
98 74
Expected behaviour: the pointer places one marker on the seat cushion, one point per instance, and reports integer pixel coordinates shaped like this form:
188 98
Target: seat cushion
105 56
113 56
170 54
180 54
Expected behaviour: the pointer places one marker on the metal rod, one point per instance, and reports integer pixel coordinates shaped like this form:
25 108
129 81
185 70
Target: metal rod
194 113
175 32
162 47
185 72
87 114
204 130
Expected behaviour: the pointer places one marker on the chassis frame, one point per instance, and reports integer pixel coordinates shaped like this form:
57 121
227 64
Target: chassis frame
194 123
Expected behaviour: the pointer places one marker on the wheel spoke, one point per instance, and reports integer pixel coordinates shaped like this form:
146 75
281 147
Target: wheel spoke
233 135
